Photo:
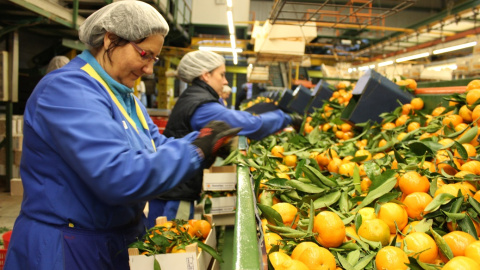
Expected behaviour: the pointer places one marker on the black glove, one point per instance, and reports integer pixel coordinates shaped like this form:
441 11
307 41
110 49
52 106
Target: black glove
212 137
297 121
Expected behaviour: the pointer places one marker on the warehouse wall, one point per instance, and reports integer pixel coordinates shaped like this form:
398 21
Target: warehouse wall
214 12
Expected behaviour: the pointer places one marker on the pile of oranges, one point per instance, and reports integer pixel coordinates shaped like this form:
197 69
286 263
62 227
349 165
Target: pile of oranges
398 194
173 236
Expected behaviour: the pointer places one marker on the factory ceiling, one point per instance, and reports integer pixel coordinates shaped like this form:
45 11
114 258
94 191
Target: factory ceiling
347 30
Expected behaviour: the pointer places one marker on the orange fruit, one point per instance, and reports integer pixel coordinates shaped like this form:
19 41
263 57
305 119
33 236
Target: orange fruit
278 258
465 113
461 262
277 151
391 258
476 114
452 120
410 228
471 151
346 127
391 213
472 96
427 165
287 211
477 196
347 168
387 126
415 204
330 229
307 128
363 152
473 251
458 241
438 111
334 165
290 160
401 120
407 108
367 213
422 246
413 126
412 181
177 249
271 239
417 103
300 248
315 257
411 84
292 265
382 142
201 228
375 230
472 85
472 166
365 184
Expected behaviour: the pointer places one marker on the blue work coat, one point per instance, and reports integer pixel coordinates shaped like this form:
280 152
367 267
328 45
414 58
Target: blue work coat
87 170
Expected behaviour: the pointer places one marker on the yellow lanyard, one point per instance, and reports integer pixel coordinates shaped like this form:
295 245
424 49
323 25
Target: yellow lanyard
89 69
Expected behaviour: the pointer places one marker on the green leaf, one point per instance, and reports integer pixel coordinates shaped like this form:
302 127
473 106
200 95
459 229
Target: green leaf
353 257
344 262
383 189
312 216
442 245
270 214
467 226
304 187
474 203
210 250
468 135
356 179
327 200
461 150
364 261
420 148
156 264
441 199
455 216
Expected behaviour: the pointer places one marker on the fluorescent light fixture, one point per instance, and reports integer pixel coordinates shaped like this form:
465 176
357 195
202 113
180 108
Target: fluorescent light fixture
233 42
231 28
363 68
229 3
371 66
386 63
411 57
220 49
235 58
454 48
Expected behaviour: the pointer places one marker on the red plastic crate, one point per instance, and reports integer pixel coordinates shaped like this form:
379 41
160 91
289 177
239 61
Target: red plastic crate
161 122
6 238
3 255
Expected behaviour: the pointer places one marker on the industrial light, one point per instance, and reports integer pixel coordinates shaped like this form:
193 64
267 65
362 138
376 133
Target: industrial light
386 63
363 68
220 49
454 48
233 42
371 66
411 57
231 29
235 58
229 3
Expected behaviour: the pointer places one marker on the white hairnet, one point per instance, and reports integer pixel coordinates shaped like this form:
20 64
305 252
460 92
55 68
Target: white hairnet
57 62
194 64
131 20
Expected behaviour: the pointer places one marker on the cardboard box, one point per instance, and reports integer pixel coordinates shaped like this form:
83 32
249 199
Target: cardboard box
221 205
16 187
192 259
221 178
373 95
17 157
321 92
224 219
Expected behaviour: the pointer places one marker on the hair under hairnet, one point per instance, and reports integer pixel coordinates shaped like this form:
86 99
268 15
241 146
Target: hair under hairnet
57 62
194 64
131 20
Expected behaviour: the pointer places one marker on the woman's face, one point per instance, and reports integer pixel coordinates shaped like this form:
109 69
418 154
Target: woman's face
216 79
127 64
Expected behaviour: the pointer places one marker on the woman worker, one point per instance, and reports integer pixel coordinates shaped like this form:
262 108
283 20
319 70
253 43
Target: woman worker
92 156
198 105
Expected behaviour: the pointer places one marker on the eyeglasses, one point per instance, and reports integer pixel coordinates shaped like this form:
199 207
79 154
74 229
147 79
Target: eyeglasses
144 55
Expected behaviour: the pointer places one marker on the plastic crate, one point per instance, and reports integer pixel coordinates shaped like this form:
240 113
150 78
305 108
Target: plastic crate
3 255
6 238
161 122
